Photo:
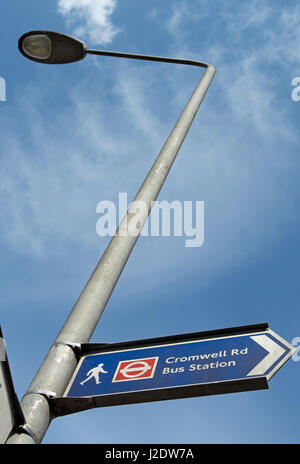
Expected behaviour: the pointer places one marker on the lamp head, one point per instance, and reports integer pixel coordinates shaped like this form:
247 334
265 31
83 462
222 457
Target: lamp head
51 47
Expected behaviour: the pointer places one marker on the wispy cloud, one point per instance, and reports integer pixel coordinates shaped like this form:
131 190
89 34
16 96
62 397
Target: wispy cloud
98 148
245 42
52 184
90 18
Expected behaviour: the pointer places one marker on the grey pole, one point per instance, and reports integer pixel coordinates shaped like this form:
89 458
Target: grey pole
59 364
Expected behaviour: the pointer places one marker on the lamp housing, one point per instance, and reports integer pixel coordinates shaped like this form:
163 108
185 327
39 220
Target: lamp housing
51 47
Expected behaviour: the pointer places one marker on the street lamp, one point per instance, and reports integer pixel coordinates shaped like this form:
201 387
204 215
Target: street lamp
51 47
61 360
54 48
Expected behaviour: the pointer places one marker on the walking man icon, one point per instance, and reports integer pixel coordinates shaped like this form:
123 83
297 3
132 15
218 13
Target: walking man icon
95 372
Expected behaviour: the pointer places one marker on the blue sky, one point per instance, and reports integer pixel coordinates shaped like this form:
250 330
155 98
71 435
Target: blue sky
74 135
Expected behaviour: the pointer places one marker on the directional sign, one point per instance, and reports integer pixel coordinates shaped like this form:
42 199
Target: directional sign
11 414
225 361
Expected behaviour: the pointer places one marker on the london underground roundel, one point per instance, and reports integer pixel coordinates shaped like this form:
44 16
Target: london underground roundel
135 369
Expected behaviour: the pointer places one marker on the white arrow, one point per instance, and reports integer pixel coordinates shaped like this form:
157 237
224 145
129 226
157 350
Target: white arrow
275 352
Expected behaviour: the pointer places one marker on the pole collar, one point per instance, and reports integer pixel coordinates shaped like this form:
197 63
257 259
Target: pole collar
76 347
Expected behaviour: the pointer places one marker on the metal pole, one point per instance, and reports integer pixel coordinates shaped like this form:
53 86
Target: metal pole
57 368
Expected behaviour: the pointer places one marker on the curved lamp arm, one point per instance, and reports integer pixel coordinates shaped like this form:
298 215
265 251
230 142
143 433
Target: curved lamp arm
162 59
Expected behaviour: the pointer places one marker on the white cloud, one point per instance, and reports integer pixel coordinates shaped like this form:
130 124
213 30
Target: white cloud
233 143
251 40
91 18
178 13
51 187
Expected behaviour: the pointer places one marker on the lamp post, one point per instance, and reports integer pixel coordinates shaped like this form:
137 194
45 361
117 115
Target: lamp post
59 364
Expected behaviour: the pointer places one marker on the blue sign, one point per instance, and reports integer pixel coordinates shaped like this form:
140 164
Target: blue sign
179 366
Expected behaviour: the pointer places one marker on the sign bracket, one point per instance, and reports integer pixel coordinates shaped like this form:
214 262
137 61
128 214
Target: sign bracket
62 406
90 348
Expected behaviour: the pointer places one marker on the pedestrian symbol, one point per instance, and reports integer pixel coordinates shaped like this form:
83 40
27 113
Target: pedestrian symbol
95 372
